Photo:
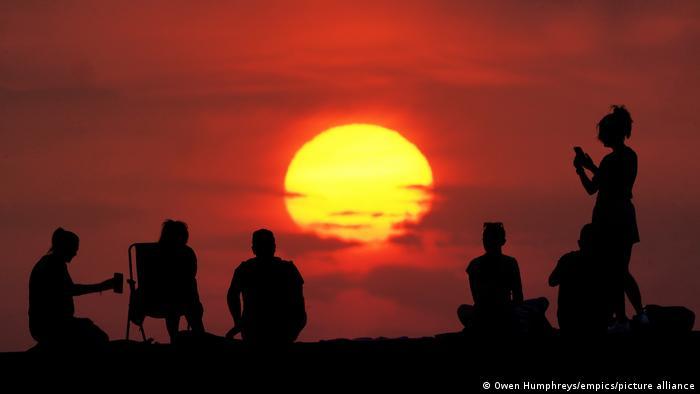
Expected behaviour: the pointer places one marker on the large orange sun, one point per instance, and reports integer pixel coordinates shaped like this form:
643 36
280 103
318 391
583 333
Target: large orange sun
358 182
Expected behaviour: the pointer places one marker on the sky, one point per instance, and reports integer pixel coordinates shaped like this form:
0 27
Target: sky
115 116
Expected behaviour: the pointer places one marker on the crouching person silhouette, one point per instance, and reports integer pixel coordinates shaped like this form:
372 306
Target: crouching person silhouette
51 290
582 305
273 312
496 287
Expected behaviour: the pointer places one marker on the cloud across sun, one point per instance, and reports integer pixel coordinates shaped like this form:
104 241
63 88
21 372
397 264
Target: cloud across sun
358 182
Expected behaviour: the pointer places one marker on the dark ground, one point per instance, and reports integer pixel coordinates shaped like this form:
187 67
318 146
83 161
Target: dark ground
449 362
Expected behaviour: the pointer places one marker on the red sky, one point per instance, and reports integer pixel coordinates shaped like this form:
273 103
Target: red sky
116 116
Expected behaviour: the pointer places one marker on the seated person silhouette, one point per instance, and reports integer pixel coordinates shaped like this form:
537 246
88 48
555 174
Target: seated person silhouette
51 290
582 307
273 300
179 285
494 279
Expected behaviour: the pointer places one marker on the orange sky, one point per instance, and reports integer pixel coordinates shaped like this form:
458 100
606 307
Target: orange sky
114 117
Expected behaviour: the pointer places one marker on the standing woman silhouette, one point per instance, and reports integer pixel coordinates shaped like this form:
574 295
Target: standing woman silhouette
614 217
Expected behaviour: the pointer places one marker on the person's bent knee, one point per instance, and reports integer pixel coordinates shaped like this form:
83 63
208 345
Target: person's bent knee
84 330
465 313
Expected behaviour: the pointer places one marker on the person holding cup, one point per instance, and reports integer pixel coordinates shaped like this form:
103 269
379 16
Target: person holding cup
52 321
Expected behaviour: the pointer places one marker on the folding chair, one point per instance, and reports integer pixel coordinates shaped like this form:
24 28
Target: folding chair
146 295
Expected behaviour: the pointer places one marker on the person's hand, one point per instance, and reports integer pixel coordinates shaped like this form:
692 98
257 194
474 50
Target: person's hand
232 332
587 162
109 284
577 163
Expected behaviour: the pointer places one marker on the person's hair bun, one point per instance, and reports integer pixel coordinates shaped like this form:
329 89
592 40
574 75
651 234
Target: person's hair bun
620 110
618 122
62 237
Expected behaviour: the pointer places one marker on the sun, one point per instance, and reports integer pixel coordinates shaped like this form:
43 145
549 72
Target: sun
358 182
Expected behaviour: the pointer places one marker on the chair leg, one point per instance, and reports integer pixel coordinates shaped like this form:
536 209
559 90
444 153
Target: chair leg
128 326
143 333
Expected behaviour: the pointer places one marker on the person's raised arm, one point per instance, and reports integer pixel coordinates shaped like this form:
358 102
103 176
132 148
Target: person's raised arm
588 164
590 184
581 163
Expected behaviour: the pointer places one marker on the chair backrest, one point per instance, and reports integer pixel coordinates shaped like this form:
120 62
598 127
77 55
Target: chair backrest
151 278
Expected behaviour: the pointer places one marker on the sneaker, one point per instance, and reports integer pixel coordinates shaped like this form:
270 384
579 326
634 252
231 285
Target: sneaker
642 319
619 327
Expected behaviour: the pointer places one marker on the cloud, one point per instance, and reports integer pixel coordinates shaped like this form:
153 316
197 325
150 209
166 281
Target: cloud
528 214
431 291
51 214
293 244
358 213
333 226
407 239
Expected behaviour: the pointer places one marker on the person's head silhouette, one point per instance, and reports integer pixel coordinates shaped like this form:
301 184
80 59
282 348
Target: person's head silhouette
264 243
615 127
174 232
494 237
64 244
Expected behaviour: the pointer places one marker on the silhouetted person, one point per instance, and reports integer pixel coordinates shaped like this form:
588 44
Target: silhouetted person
581 306
51 290
494 280
273 299
181 296
614 215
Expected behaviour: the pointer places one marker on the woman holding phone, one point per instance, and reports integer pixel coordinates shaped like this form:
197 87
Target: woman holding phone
614 217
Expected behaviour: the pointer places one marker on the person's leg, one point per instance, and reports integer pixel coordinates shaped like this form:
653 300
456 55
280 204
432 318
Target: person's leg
194 315
630 284
633 293
617 286
296 326
41 332
85 333
529 317
292 332
604 276
172 323
465 313
538 305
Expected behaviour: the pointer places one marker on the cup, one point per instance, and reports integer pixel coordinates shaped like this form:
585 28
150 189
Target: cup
118 282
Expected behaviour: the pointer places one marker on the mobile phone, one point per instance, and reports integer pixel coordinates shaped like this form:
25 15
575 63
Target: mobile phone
579 151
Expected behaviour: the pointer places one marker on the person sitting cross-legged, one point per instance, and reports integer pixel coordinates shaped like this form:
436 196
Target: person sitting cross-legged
494 279
273 311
